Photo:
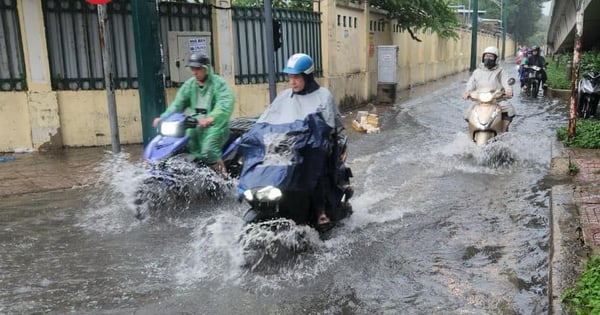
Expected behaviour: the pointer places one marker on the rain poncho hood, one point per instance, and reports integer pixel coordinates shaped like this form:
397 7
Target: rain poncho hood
494 78
288 107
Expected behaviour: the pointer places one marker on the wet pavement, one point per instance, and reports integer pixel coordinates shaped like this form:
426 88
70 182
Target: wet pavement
24 173
432 262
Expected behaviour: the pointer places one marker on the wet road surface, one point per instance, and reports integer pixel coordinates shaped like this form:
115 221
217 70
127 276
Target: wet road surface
439 226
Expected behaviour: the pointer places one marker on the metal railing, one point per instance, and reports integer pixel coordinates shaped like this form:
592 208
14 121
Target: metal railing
301 32
72 34
12 64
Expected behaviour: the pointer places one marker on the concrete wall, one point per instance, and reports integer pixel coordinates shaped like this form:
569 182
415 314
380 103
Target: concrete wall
42 119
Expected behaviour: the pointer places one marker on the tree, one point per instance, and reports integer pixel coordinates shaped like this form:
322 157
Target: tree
413 15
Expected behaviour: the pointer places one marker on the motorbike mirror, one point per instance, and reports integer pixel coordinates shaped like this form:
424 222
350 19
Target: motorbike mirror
511 81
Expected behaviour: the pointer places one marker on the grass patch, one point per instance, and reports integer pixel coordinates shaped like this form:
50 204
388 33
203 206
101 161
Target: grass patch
573 169
557 78
587 134
584 298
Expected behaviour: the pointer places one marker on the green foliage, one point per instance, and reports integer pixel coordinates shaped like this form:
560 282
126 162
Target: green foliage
587 134
556 72
573 169
413 15
585 297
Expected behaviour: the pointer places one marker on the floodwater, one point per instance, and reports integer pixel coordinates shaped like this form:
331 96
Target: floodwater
439 227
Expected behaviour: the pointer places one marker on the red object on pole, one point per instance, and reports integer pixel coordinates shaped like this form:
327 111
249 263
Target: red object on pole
97 1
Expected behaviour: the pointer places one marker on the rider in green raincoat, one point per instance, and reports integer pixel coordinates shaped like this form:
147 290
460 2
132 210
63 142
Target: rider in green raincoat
208 98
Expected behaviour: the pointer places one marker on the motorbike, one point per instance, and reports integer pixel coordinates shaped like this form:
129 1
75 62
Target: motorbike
284 165
589 94
174 176
485 117
532 80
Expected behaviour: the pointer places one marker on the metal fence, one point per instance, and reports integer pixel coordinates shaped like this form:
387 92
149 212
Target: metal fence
74 51
12 65
301 32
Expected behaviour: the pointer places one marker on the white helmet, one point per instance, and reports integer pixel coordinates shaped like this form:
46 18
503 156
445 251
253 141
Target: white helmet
490 50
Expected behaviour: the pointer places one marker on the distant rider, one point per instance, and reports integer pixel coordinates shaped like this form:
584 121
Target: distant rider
491 75
208 97
536 59
305 97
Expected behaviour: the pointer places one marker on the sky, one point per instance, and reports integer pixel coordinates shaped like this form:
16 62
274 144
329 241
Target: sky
546 7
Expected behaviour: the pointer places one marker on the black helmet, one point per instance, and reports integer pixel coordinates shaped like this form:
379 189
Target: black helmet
198 60
536 48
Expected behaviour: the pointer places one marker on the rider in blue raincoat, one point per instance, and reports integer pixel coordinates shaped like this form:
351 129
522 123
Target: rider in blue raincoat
303 98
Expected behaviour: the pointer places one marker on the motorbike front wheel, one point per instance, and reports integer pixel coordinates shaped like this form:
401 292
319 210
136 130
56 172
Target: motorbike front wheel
535 87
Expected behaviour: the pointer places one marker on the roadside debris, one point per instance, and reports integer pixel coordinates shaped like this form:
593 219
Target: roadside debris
366 122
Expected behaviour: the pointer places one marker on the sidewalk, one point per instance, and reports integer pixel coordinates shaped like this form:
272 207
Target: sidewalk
24 173
575 219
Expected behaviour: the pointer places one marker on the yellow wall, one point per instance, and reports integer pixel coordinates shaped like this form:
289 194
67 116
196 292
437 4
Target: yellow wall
41 119
14 121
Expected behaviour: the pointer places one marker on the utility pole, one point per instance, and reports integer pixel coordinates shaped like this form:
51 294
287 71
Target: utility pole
575 73
109 82
270 49
149 61
504 10
474 22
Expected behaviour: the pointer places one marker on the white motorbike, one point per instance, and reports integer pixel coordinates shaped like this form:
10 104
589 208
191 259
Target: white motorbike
485 117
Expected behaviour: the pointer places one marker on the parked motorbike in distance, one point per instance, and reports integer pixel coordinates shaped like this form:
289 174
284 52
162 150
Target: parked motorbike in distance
485 118
175 178
533 80
588 94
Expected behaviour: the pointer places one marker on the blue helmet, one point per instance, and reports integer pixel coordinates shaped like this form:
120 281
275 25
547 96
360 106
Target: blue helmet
299 63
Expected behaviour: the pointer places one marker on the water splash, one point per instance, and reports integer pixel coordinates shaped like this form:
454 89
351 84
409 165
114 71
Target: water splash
110 207
176 184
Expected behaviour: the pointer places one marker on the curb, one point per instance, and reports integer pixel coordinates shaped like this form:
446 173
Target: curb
574 220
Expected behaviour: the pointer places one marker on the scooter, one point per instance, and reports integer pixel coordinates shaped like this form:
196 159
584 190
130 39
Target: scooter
485 118
174 175
281 170
589 94
533 79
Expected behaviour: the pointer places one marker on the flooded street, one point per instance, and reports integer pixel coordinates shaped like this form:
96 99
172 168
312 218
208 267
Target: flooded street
440 226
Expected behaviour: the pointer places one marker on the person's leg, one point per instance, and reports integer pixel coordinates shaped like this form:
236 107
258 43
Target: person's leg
211 147
508 113
468 112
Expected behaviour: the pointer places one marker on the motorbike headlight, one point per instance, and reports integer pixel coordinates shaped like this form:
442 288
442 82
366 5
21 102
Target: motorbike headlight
486 97
248 195
268 193
170 129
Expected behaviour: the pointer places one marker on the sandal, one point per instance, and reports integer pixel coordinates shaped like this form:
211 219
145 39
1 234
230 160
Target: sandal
323 222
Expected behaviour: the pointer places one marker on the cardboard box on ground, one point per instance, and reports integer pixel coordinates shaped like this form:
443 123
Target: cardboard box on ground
366 122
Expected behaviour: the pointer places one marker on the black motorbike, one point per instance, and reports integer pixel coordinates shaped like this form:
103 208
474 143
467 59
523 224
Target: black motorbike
589 94
284 165
532 80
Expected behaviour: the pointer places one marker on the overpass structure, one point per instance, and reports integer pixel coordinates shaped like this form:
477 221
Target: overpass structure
561 33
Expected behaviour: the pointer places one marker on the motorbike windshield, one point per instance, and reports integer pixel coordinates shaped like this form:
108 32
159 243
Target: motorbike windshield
290 156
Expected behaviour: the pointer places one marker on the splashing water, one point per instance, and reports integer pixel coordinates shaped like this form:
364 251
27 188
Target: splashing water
110 207
174 185
267 246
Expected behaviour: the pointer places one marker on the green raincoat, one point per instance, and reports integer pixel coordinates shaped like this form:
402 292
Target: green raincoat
215 99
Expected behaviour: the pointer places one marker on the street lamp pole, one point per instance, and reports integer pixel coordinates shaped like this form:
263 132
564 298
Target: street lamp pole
504 26
502 5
